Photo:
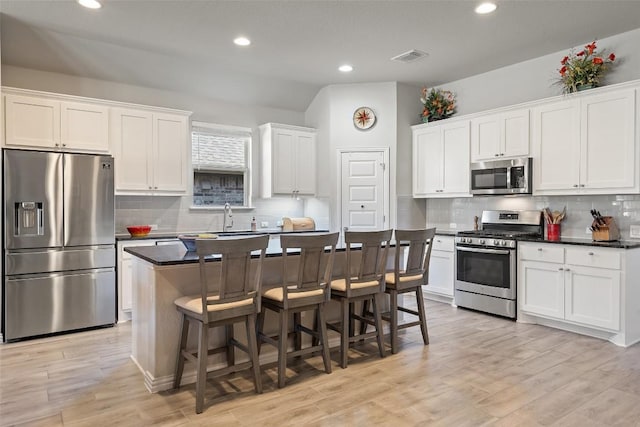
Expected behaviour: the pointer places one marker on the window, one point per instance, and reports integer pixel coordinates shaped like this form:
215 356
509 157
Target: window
221 159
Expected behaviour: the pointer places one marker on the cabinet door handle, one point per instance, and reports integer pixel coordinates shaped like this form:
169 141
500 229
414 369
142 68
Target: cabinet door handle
567 269
560 269
150 188
502 154
581 185
590 253
575 185
64 145
496 155
539 249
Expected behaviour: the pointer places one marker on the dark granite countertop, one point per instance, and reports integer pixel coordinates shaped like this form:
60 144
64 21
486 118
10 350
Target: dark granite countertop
175 234
619 244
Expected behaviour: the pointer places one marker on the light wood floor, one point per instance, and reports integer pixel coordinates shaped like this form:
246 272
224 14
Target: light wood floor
478 370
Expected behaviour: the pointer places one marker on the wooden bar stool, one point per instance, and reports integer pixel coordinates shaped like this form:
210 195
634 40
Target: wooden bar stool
366 285
309 290
237 300
409 278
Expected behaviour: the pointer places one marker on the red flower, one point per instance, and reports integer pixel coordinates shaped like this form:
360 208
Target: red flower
563 70
597 60
564 60
612 57
591 47
580 53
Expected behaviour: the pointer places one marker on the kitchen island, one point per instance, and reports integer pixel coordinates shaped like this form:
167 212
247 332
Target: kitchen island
161 274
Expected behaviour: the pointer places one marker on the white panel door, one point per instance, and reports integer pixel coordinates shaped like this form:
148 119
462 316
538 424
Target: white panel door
515 133
131 144
305 163
485 138
592 297
556 142
32 121
283 158
455 140
441 266
84 126
170 153
607 133
363 198
427 162
542 288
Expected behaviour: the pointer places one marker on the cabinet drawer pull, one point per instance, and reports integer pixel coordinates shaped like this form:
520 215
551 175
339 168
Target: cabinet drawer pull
567 269
539 249
560 269
591 253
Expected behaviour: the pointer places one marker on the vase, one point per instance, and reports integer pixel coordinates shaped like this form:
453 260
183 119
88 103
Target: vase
585 86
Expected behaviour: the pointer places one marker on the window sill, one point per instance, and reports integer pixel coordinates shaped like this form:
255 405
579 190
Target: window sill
221 208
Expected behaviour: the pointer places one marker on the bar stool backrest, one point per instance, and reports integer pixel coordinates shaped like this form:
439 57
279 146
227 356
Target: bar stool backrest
419 253
374 252
235 280
308 271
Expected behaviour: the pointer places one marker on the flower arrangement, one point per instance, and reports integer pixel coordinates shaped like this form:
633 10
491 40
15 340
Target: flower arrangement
438 104
584 68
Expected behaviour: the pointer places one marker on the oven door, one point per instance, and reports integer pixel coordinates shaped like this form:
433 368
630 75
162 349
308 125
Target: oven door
486 271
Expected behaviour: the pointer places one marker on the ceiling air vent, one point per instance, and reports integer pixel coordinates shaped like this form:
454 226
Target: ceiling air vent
411 56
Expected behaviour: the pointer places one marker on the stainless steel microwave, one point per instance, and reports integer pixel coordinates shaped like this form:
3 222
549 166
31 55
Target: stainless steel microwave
512 176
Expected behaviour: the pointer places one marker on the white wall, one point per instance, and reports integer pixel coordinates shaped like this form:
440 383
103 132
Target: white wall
534 79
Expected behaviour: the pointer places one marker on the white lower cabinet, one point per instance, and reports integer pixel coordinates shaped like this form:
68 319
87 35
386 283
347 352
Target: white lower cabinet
441 268
125 273
578 285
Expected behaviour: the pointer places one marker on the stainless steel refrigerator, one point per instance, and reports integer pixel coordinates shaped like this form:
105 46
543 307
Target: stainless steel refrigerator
59 243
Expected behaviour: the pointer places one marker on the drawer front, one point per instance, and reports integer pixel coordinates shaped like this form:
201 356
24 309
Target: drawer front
443 243
598 258
541 252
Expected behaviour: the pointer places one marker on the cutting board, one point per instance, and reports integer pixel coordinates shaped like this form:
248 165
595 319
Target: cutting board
298 224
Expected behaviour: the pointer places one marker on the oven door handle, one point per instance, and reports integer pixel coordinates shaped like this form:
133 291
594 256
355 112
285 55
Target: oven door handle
484 251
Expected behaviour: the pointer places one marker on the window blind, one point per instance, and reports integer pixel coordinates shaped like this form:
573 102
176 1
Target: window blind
219 149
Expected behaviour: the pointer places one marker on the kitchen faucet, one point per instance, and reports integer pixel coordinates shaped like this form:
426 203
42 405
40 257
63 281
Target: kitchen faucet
227 221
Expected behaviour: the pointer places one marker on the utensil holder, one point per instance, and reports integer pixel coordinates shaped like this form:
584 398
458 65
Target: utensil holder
553 232
606 233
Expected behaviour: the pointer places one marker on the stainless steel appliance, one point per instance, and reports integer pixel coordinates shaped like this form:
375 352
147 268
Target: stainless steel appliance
485 277
501 177
59 244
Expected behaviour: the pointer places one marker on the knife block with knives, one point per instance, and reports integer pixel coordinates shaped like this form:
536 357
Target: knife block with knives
604 228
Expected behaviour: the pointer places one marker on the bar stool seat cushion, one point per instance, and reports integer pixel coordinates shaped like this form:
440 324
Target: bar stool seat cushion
277 294
391 278
193 303
341 284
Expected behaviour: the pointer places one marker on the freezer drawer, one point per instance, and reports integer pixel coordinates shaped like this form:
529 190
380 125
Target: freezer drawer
56 260
37 305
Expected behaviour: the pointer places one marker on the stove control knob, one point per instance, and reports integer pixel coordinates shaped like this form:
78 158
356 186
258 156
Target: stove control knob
504 243
496 242
482 241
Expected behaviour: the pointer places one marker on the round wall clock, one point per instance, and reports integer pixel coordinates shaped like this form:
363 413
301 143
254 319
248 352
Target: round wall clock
364 118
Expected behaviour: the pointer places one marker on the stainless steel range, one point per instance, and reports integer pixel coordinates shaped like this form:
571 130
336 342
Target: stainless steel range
486 260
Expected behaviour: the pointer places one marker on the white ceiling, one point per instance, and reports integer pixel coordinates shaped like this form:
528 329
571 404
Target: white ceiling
186 45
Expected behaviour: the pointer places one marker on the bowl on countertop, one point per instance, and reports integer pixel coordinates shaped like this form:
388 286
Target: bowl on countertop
189 240
139 230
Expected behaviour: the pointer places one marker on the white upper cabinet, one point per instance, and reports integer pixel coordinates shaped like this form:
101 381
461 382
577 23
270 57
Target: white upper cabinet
499 136
288 160
150 151
586 145
441 160
45 123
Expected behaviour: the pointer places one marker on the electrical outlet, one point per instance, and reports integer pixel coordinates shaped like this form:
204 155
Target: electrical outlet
587 230
264 224
278 223
154 226
634 231
453 225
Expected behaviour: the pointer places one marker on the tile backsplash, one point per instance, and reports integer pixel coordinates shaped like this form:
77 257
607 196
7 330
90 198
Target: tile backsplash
625 209
173 214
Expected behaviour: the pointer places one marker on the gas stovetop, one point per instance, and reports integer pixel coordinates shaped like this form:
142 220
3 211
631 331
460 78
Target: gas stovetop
502 228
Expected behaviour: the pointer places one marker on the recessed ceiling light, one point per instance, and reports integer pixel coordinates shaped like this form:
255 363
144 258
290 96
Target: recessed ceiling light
242 41
486 7
91 4
345 68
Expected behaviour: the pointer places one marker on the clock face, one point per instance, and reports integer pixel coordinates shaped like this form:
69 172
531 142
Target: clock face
364 118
